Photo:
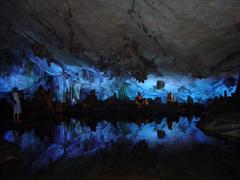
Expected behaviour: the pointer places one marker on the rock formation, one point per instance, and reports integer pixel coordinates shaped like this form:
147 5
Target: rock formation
130 36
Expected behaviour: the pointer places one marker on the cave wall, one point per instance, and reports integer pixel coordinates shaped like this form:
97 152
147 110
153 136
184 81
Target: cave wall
67 81
122 46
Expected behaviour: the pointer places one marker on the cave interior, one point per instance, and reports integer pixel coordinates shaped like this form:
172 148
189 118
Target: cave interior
137 89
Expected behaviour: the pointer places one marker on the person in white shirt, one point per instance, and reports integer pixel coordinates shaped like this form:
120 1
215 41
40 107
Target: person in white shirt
17 110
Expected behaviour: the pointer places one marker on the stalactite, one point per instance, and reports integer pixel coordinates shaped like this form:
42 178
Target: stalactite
67 80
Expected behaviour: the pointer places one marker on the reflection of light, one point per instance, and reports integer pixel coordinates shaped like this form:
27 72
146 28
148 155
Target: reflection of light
182 132
9 136
78 139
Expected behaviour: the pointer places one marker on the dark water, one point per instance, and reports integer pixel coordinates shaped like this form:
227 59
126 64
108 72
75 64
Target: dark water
64 141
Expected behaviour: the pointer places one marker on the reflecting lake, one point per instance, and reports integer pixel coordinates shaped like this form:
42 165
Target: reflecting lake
75 138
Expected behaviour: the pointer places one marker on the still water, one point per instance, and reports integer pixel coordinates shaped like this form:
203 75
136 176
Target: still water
76 138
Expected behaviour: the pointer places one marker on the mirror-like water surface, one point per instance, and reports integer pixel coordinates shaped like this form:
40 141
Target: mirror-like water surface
75 138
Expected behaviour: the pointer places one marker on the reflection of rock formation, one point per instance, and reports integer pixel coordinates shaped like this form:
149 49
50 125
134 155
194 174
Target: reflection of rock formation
8 152
50 155
75 138
222 118
223 125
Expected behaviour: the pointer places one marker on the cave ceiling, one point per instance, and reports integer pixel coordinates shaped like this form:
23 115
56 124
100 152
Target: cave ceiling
136 37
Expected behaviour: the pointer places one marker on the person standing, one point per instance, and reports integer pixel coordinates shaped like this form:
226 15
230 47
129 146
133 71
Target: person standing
170 98
17 110
139 99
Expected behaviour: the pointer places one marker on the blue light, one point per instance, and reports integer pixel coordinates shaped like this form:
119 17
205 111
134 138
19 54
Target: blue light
9 136
182 132
50 68
181 86
68 80
77 139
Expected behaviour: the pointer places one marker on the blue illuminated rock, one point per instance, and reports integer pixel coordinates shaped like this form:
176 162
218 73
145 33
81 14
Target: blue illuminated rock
71 81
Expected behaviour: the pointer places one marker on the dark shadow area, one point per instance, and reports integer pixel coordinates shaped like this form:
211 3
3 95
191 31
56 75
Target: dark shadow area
89 149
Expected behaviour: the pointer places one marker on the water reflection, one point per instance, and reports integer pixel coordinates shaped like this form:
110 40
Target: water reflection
77 138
